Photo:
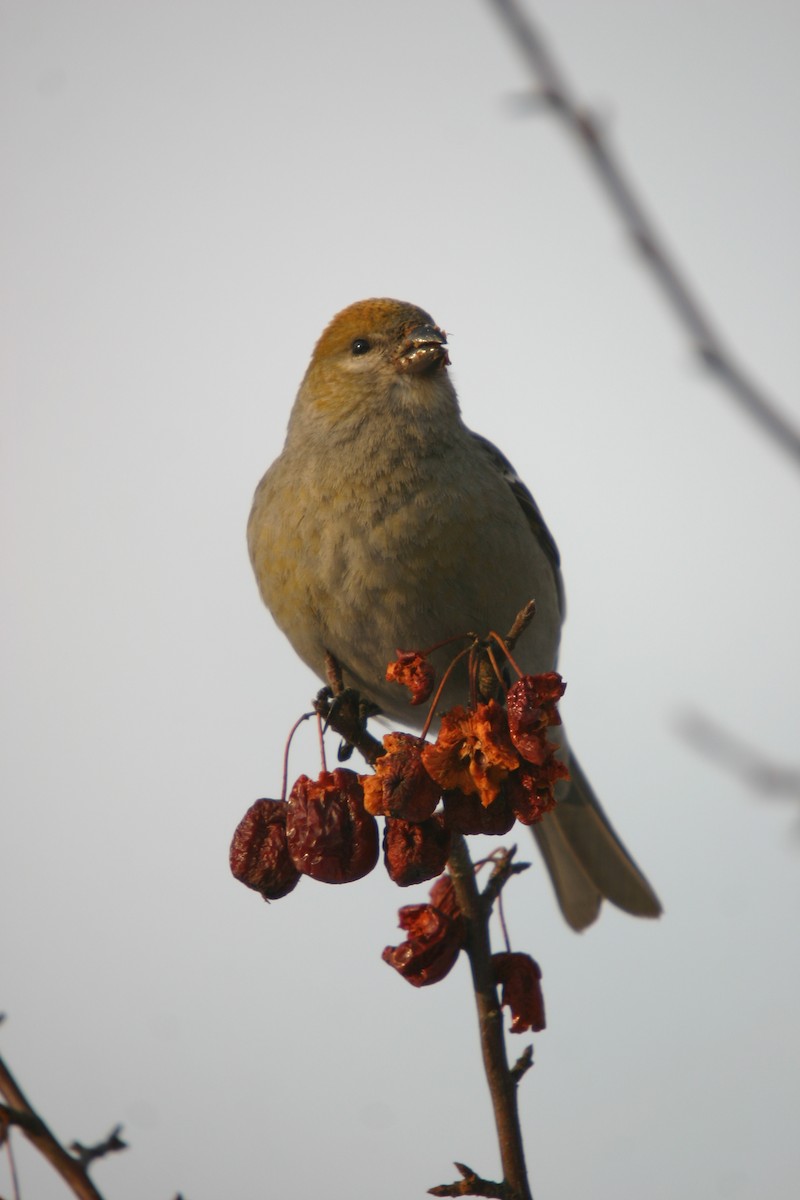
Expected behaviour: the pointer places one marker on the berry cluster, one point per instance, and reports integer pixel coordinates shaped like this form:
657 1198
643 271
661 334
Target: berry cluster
491 764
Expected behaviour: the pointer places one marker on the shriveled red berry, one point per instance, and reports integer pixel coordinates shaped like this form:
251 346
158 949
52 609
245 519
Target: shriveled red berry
415 672
259 856
473 751
414 851
531 790
443 896
464 813
436 934
431 949
401 787
520 978
330 835
531 704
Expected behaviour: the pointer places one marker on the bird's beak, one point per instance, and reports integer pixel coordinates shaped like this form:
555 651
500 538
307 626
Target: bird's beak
424 349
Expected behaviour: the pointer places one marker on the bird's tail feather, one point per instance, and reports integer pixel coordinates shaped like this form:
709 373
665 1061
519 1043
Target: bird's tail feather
586 860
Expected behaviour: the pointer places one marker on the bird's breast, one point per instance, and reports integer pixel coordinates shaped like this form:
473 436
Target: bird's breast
402 554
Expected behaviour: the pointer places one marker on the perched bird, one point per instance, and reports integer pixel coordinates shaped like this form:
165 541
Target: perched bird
386 523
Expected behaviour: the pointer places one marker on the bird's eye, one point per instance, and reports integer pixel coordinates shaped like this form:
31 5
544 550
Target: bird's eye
360 346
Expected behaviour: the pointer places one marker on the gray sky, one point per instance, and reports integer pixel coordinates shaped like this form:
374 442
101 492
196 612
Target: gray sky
190 191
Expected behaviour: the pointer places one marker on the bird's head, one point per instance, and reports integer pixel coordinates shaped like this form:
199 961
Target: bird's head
375 351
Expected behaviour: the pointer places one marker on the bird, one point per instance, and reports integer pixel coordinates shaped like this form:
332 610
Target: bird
385 523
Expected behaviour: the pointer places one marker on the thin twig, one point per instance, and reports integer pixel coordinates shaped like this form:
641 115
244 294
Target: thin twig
5 1139
21 1113
523 1064
707 342
502 1085
471 1184
521 623
504 868
109 1145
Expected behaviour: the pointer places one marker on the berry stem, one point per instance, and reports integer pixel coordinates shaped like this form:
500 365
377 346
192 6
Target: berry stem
286 749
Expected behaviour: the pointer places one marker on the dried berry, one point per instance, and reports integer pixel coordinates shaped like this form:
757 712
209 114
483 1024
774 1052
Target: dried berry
330 835
432 947
473 751
465 814
443 896
414 672
259 855
531 703
401 787
414 851
520 979
531 790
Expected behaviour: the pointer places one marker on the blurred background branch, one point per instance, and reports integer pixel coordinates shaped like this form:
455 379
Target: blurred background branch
735 756
554 91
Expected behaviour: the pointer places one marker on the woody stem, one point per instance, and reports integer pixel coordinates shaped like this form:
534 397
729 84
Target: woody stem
502 1084
18 1111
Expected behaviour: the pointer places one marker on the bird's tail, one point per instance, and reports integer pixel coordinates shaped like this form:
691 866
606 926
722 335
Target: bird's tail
587 861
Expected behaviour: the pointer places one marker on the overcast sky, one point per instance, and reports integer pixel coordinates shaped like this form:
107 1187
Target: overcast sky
190 190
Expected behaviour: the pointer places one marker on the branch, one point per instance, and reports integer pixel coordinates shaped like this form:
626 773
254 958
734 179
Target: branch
504 868
732 753
708 344
523 1064
20 1112
502 1084
88 1154
521 623
343 712
470 1184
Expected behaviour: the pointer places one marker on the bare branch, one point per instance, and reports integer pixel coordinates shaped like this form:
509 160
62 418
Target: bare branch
88 1154
523 1064
504 868
471 1184
555 91
21 1113
502 1085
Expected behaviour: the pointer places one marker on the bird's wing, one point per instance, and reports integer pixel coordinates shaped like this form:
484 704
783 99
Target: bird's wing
586 860
531 510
